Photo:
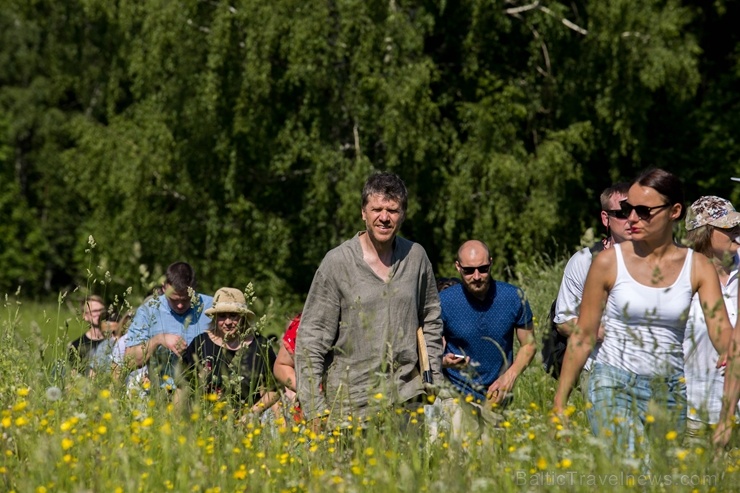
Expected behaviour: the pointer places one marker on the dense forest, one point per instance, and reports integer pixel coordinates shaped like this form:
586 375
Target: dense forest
237 134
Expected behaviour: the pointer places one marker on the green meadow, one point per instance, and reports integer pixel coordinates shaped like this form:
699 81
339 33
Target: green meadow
62 432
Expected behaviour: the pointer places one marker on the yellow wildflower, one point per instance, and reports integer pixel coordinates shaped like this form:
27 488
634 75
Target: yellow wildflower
240 473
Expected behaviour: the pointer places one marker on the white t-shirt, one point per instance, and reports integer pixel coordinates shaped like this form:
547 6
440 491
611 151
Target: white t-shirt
570 294
704 382
645 325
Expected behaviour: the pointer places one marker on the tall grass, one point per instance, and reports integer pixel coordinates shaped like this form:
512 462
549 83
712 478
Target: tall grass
78 434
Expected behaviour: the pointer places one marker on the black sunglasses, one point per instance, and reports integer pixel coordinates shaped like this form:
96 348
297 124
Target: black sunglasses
616 213
643 212
469 271
730 230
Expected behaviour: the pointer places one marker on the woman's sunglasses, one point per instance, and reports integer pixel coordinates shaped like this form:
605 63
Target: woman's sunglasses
643 212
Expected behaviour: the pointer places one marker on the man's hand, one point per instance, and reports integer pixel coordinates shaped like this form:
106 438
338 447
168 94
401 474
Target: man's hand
499 389
450 361
173 342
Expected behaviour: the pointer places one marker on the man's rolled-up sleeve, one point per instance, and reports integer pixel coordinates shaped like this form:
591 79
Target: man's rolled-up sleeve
316 335
138 332
432 321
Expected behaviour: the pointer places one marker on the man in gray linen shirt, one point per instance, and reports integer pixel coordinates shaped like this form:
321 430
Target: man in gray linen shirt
356 345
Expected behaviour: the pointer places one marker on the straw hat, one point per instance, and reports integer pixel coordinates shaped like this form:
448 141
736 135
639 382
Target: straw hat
230 300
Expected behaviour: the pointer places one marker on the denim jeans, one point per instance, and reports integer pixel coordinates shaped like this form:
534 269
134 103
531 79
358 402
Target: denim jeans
631 408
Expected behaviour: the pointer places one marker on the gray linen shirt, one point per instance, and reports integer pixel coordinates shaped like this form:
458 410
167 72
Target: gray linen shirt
357 336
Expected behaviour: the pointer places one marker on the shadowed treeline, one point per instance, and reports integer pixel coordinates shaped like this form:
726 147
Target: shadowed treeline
236 135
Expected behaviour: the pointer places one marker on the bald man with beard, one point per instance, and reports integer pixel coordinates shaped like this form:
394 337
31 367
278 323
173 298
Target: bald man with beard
481 317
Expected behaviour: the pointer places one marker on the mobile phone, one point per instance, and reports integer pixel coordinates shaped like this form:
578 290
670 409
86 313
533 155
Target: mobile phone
458 356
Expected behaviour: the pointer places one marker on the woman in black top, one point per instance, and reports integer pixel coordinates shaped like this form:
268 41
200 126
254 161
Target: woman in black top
229 359
82 350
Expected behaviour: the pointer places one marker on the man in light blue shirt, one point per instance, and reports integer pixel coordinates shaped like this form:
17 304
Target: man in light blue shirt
164 326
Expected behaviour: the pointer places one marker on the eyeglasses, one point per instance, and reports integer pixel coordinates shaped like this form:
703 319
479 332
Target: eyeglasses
616 213
733 231
643 212
469 271
232 316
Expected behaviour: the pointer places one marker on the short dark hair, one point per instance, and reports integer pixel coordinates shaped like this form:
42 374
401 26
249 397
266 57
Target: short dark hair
388 185
620 188
181 276
665 183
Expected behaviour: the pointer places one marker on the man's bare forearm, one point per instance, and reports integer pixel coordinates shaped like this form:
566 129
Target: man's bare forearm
523 358
139 355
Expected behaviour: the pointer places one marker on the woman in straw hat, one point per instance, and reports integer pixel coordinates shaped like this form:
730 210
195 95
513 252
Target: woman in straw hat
229 358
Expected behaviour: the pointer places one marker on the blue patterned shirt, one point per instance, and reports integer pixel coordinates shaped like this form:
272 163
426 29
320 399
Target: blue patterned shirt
484 331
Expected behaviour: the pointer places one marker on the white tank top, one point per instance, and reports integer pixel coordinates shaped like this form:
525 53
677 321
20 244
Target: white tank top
645 325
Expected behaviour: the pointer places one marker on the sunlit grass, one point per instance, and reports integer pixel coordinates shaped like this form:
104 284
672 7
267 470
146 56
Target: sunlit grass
76 434
95 438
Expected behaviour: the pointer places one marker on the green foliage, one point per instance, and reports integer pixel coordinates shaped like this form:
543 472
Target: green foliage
22 243
237 135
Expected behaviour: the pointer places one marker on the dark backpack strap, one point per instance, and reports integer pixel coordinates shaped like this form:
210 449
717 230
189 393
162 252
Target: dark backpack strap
596 247
554 343
553 346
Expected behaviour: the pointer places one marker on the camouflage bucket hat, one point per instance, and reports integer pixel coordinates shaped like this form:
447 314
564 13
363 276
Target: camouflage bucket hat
711 210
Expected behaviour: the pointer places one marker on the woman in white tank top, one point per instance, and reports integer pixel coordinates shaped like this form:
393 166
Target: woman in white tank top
645 286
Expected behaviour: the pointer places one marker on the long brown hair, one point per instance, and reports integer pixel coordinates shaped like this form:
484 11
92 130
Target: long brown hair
700 239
